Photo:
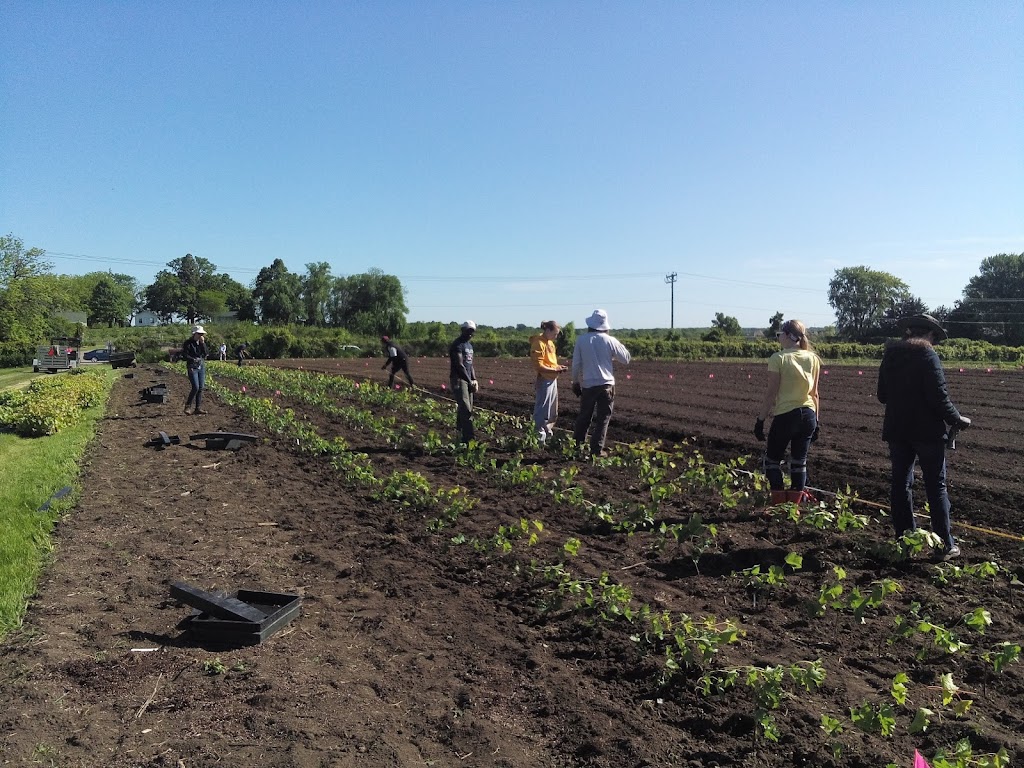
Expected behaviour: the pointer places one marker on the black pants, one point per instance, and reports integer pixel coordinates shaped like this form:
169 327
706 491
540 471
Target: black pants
402 366
597 404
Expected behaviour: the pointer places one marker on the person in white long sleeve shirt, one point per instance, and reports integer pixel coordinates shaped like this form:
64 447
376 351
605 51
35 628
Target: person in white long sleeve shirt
593 379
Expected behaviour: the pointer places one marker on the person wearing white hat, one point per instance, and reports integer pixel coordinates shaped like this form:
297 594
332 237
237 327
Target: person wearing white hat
462 377
194 351
593 379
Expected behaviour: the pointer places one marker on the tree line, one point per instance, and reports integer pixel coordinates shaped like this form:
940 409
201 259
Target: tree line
868 304
190 289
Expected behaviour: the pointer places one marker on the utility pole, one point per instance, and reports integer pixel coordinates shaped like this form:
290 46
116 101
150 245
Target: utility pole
671 280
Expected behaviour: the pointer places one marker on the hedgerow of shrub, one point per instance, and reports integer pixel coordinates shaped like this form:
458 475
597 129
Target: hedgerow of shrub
50 404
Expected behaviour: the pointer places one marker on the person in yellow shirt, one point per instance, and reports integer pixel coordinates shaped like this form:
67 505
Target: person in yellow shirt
792 401
545 363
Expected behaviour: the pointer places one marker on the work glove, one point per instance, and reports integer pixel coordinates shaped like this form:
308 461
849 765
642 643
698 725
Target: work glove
474 386
964 423
577 389
759 429
814 434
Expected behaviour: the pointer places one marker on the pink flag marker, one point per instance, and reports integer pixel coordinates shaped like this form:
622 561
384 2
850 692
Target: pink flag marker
490 381
277 392
444 386
961 370
243 389
825 372
860 373
919 761
711 375
671 375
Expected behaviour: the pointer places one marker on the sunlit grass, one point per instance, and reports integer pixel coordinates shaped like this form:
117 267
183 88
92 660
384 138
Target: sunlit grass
31 471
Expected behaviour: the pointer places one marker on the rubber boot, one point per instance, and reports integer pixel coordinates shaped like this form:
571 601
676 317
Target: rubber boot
800 497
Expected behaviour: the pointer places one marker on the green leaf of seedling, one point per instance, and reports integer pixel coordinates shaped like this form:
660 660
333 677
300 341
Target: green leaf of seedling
949 688
795 561
978 620
899 688
922 719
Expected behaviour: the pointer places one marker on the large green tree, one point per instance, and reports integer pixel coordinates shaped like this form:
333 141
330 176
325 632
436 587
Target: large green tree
861 297
372 303
30 296
993 302
177 290
277 294
110 303
316 292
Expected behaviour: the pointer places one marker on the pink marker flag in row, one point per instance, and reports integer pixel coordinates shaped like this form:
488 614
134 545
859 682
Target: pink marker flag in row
919 761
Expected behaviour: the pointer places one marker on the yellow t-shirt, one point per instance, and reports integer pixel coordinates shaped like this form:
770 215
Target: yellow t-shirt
798 370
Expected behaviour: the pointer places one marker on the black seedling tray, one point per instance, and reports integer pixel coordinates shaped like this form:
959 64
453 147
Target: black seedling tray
248 618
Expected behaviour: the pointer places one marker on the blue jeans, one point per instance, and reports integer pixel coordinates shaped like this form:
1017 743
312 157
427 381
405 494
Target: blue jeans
197 378
931 455
793 430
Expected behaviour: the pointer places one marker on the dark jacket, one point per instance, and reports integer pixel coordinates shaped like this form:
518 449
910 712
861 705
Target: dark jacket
912 387
460 354
194 353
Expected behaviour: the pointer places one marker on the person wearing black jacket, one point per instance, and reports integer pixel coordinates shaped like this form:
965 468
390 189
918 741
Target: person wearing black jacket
397 359
194 351
462 378
912 387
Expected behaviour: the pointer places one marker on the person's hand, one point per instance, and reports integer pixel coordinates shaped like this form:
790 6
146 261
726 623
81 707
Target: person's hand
815 433
964 423
577 389
474 386
759 429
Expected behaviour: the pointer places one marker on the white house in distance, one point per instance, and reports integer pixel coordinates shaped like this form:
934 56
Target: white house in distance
146 319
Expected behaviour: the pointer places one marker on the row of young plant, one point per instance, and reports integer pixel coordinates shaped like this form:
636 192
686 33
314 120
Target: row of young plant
613 601
50 403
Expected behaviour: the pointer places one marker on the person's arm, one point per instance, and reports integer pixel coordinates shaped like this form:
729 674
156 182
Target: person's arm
620 353
814 391
936 394
770 395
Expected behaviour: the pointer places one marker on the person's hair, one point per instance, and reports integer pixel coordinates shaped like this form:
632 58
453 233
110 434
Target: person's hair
917 332
796 331
549 325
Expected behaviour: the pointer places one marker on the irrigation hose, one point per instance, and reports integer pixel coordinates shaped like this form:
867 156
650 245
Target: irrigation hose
822 491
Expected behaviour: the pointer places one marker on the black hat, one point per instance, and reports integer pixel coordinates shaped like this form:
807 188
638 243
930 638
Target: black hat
925 323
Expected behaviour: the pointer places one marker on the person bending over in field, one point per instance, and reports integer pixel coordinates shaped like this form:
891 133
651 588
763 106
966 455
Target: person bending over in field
397 359
792 401
912 387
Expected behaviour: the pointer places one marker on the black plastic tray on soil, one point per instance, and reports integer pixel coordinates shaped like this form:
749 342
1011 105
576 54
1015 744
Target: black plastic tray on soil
265 613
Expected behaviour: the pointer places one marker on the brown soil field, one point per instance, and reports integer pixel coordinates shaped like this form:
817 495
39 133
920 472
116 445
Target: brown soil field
415 648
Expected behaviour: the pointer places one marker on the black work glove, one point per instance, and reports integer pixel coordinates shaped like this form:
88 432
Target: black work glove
759 429
964 423
814 434
577 389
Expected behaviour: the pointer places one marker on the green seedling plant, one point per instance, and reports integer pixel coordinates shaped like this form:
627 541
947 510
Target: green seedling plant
696 534
860 603
833 728
874 719
761 583
830 594
945 573
1005 653
963 756
907 546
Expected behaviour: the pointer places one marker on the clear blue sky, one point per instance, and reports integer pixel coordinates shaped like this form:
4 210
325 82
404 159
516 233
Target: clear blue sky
518 161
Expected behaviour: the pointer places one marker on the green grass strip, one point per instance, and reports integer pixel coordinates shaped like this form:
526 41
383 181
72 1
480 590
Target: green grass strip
31 471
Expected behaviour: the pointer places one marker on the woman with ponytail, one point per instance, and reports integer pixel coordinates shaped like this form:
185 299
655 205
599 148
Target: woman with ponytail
792 402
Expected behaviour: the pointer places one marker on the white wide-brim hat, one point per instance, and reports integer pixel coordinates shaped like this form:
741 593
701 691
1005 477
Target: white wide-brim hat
598 321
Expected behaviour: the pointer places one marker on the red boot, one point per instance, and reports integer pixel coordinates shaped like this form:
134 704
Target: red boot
801 497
